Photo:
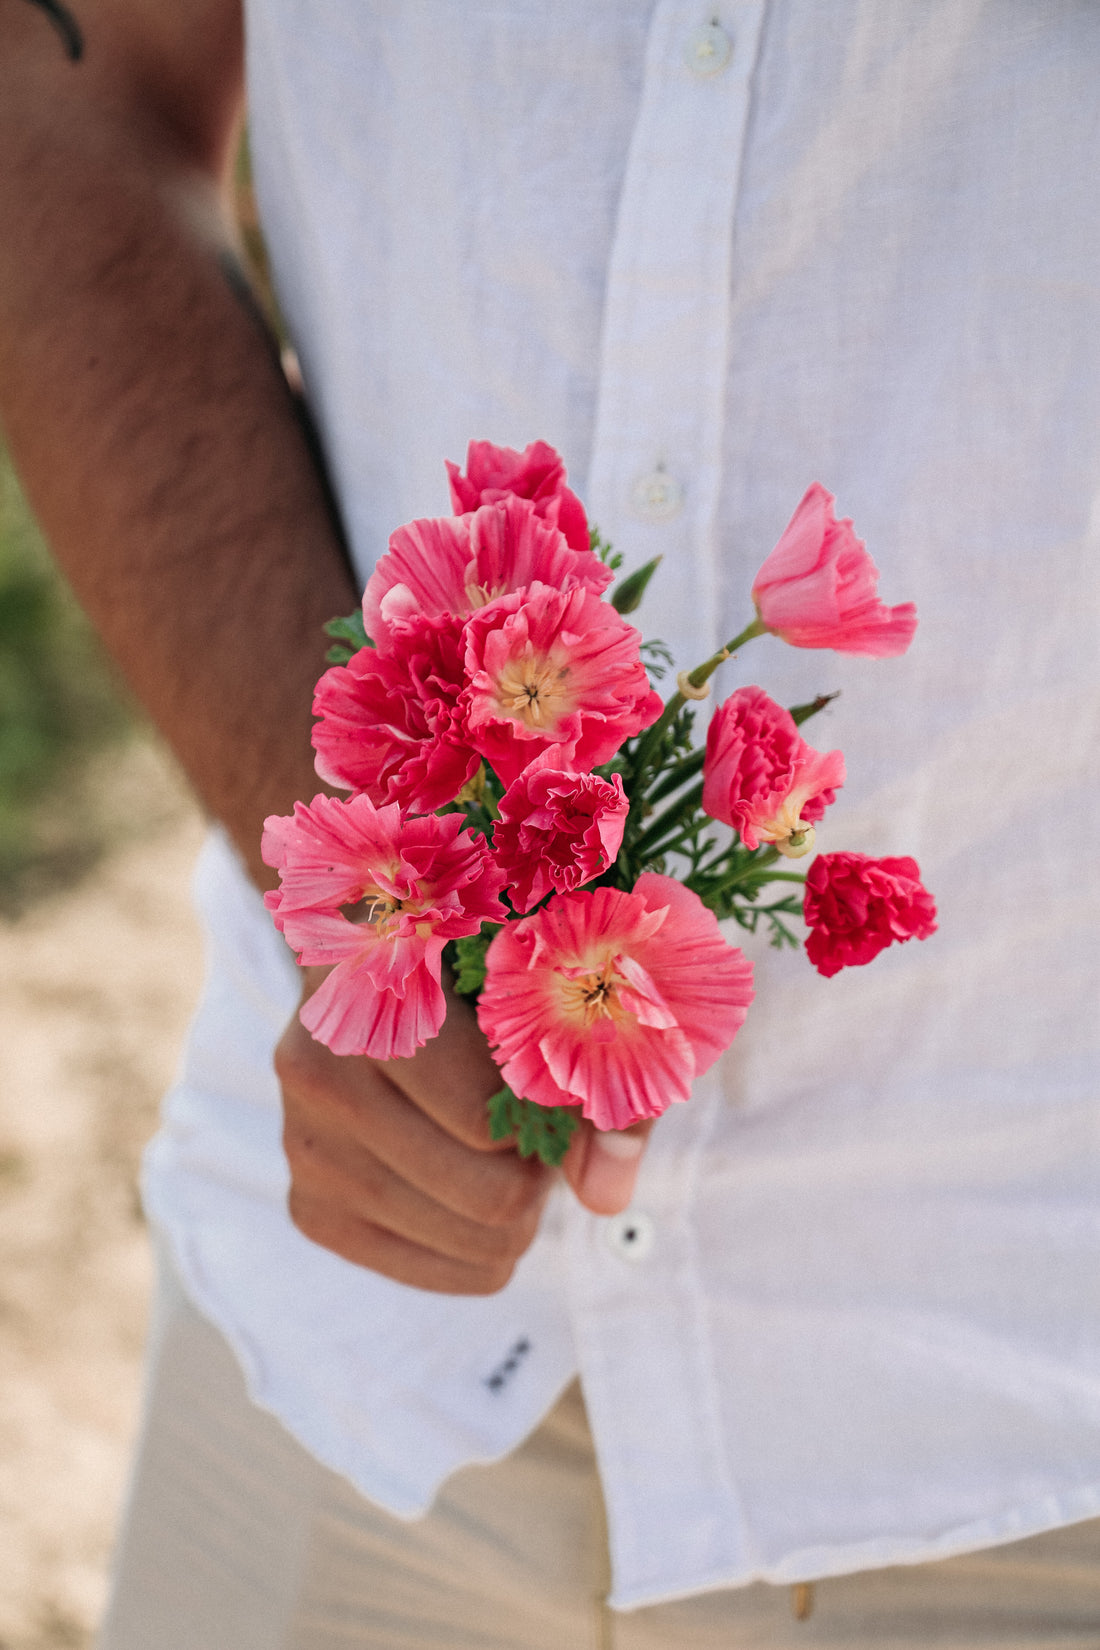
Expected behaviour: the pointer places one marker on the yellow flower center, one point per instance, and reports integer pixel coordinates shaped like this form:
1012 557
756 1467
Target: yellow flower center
374 909
594 995
534 690
480 595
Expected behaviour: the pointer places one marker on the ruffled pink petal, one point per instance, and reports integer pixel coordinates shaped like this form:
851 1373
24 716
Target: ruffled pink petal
557 829
406 886
760 776
455 565
707 981
390 723
856 906
424 571
350 1015
613 1001
549 667
818 587
537 474
322 849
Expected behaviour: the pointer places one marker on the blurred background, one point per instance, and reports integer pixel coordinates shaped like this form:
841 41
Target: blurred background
99 968
99 971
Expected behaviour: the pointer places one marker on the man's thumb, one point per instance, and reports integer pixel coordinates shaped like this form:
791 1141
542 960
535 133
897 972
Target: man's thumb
602 1166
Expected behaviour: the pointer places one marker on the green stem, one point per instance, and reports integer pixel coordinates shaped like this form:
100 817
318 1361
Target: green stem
750 872
674 777
697 677
668 821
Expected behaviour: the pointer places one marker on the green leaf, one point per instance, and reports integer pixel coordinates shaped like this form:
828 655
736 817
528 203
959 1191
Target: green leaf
350 636
802 713
469 960
674 818
540 1131
600 547
627 596
672 778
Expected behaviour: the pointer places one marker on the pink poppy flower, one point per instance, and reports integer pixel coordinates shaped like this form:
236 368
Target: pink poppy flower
552 667
390 724
379 896
856 906
457 564
613 1002
557 830
761 777
537 473
817 588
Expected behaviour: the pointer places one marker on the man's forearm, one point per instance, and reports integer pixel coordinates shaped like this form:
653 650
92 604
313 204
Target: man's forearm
156 438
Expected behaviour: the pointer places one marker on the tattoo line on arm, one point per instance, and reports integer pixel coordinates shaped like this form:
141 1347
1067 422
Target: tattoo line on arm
66 25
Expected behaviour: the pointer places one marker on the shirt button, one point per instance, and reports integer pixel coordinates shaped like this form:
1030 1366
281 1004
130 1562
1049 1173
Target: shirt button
708 49
656 496
630 1235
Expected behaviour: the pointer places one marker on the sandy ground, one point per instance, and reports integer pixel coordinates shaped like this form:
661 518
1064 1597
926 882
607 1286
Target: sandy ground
96 986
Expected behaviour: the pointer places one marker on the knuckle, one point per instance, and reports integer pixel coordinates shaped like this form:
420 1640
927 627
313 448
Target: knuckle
305 1215
514 1200
300 1145
291 1055
492 1279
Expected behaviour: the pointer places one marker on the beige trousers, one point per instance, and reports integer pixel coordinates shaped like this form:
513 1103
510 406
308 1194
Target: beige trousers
236 1539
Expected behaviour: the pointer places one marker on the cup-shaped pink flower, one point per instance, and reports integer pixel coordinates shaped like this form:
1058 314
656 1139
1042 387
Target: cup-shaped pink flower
457 564
613 1002
856 906
557 829
818 588
378 896
553 667
761 777
537 473
390 723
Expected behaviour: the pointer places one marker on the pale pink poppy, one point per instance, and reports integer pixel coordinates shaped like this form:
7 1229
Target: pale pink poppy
457 564
378 896
537 473
557 829
856 906
613 1002
551 667
390 723
761 777
818 587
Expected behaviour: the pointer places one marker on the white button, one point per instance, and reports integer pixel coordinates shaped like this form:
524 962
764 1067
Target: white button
708 49
630 1235
656 496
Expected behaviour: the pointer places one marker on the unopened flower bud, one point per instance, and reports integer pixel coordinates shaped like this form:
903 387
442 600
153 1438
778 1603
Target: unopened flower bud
798 844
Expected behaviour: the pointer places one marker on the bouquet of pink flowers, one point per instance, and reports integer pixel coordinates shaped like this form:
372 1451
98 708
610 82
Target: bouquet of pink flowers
526 809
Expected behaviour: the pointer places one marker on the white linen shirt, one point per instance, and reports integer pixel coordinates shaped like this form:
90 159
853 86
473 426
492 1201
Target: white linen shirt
712 253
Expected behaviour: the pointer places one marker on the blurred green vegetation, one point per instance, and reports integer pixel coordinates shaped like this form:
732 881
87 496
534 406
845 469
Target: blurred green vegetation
59 705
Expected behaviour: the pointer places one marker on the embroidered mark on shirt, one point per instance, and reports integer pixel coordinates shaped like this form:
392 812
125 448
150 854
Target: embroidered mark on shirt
502 1374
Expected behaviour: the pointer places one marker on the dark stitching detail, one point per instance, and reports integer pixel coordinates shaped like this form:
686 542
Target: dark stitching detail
502 1374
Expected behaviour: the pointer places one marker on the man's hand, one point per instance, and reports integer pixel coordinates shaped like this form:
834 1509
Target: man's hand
392 1165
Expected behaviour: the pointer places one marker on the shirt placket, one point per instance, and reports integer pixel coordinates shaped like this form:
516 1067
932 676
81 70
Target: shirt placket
656 461
639 1311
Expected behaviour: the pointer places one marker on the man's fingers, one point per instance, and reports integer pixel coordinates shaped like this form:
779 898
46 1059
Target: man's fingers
359 1120
452 1078
602 1167
333 1175
365 1244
